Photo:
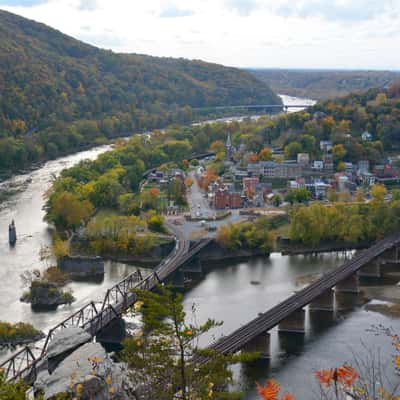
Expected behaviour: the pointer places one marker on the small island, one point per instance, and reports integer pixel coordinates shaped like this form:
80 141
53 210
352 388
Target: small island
18 334
45 289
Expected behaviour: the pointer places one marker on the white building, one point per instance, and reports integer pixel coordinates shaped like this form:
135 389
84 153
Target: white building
366 136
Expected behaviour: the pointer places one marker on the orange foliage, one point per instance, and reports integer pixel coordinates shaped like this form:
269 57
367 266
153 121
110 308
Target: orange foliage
154 192
270 391
346 375
208 177
265 154
325 376
253 158
189 181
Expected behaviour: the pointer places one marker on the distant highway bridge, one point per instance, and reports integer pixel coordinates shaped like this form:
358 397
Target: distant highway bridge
256 107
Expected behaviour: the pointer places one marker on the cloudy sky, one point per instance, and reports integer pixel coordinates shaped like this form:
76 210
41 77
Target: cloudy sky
245 33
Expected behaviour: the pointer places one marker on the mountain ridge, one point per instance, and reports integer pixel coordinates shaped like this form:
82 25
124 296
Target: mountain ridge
58 92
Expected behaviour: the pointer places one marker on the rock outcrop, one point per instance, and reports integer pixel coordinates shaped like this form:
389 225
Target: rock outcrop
46 295
90 373
64 343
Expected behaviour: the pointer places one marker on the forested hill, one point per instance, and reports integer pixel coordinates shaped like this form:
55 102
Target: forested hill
324 84
51 84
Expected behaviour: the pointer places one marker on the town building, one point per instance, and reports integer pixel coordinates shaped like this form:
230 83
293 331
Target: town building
224 198
366 136
325 145
229 150
318 165
363 166
328 162
271 169
303 158
250 186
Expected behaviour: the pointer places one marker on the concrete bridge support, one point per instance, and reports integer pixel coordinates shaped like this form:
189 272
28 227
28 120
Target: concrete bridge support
193 267
346 293
349 285
391 256
324 302
295 323
177 280
371 270
260 344
113 333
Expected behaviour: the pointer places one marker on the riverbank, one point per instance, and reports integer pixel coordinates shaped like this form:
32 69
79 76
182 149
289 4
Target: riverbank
291 249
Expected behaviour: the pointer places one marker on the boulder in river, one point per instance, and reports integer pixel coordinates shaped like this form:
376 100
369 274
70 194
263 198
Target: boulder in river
46 295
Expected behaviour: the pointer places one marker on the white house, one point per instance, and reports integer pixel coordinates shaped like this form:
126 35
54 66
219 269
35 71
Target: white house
318 165
366 136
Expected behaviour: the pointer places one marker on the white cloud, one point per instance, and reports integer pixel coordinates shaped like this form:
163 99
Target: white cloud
260 33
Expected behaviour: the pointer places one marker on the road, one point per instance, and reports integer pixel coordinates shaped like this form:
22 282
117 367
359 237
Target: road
181 247
199 207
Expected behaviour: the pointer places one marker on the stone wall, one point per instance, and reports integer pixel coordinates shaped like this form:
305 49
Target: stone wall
215 252
82 266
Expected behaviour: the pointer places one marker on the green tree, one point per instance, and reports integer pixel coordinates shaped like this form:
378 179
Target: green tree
155 222
162 358
292 149
11 390
301 195
276 200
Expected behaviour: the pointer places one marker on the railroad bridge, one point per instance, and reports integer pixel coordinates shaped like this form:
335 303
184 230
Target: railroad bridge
97 318
323 295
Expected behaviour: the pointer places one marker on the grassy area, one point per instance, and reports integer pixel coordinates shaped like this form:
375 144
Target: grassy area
13 333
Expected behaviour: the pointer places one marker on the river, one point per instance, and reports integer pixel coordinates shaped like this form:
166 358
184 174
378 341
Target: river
225 292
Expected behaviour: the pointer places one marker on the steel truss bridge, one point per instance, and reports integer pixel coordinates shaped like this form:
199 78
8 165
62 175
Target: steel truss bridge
95 316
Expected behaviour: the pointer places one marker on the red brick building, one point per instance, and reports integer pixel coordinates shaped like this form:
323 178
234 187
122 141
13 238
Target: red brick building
224 199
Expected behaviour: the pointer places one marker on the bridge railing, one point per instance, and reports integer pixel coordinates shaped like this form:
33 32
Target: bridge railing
119 291
20 363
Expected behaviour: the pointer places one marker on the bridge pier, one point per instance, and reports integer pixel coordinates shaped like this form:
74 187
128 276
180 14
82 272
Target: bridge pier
295 323
391 255
371 270
324 302
260 344
113 333
349 285
177 280
193 267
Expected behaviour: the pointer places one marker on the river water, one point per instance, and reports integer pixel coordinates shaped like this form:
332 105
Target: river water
224 293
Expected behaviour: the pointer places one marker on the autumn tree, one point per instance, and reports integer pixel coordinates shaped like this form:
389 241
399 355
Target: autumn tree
338 152
217 146
69 211
162 358
265 154
189 182
378 193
